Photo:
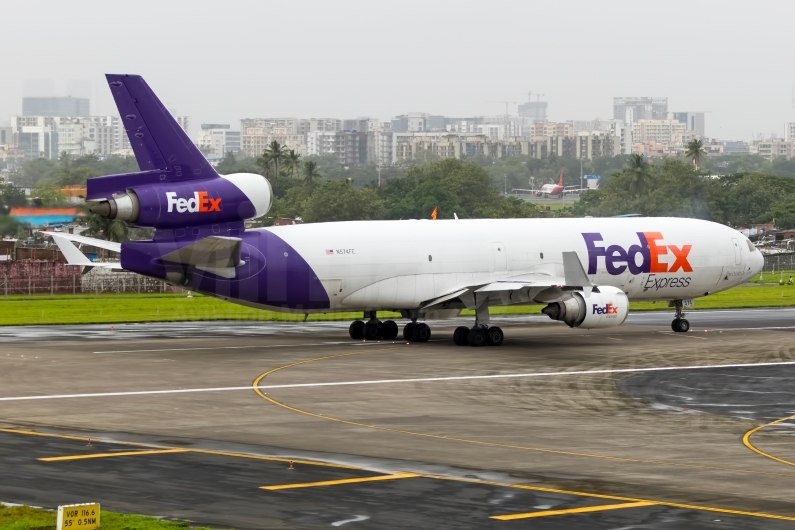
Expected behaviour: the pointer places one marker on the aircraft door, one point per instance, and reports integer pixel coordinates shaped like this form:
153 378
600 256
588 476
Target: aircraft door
499 257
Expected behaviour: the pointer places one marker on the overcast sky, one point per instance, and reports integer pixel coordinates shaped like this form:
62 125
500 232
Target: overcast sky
221 61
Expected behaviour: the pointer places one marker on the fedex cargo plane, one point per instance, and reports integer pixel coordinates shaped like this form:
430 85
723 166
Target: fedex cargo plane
583 271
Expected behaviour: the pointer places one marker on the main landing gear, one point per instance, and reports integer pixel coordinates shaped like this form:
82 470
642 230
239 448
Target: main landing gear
373 329
481 334
680 324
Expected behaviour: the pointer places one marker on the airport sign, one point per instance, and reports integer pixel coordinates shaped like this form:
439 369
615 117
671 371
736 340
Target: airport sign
82 516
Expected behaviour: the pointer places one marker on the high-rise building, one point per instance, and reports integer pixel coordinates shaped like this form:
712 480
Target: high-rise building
60 106
349 147
694 121
665 132
217 139
632 109
536 110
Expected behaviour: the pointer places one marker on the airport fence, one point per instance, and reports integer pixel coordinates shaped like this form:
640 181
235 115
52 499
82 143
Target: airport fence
780 262
94 282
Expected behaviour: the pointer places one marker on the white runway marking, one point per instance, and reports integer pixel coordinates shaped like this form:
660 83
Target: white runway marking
238 347
397 381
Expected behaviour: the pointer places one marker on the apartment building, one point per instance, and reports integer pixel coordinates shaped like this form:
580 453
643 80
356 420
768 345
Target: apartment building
773 148
551 128
595 144
632 109
254 140
348 147
668 132
218 139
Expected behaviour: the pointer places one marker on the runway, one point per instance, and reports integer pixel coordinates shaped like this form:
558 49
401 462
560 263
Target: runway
634 427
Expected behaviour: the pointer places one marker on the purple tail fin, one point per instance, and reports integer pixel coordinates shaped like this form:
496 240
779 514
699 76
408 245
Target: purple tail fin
162 149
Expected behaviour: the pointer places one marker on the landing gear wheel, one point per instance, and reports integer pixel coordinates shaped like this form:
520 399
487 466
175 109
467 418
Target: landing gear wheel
680 325
408 332
422 332
460 336
494 336
372 331
389 330
356 330
476 337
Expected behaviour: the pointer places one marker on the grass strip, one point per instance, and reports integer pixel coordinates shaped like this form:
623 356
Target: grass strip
27 518
113 309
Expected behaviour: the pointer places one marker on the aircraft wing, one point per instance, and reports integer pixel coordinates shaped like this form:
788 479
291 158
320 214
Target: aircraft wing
525 288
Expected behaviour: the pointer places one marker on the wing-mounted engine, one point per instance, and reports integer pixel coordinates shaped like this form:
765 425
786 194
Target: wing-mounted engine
222 199
605 307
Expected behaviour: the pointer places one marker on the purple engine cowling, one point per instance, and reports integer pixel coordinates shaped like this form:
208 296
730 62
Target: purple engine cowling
223 199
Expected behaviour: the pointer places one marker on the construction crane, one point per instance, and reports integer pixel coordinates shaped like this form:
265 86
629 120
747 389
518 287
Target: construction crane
506 103
536 94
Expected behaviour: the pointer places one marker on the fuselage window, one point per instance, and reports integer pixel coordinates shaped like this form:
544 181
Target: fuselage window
542 255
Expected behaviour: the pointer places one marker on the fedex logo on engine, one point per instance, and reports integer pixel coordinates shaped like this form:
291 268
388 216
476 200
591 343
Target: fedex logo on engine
200 202
641 258
608 309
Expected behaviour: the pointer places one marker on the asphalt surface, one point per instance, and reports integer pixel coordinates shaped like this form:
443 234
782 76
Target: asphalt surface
628 428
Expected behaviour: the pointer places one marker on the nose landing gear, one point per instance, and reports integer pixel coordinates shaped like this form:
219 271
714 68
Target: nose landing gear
680 324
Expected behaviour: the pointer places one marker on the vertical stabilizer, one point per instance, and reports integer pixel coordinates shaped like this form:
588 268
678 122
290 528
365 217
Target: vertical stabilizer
560 180
157 140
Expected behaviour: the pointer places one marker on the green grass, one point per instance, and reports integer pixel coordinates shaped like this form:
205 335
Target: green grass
27 518
113 309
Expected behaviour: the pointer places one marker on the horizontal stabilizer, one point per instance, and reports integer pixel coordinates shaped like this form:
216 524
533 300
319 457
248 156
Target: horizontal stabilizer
75 257
99 243
211 253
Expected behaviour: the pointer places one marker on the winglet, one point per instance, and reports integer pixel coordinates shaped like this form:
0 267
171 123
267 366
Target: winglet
574 274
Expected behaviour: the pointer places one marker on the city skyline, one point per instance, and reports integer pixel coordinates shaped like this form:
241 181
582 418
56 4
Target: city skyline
324 63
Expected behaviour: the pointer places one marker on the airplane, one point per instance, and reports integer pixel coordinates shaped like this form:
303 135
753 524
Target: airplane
552 190
583 271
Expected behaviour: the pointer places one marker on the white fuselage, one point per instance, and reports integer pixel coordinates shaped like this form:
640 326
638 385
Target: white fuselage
403 264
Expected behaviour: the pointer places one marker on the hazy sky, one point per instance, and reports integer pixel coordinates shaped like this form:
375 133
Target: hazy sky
220 61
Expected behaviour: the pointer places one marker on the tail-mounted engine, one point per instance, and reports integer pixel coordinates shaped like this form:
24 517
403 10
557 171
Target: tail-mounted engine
227 198
606 308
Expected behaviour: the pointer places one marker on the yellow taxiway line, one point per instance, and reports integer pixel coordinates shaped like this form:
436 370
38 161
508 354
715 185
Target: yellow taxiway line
107 455
586 509
341 481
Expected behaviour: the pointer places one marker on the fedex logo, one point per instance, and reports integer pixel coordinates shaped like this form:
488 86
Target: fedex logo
649 248
200 202
609 309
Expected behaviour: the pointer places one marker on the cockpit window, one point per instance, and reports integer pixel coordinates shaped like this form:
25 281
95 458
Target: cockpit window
751 246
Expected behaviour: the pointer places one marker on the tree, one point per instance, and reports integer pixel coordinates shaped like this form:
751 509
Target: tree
339 201
104 228
696 152
638 169
292 162
311 175
272 156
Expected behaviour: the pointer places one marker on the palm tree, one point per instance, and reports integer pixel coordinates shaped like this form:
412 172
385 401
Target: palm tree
311 175
292 162
638 168
273 154
696 152
104 228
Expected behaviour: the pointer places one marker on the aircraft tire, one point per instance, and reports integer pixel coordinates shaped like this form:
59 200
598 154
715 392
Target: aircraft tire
460 336
356 330
372 331
681 325
408 332
422 332
494 336
476 337
389 330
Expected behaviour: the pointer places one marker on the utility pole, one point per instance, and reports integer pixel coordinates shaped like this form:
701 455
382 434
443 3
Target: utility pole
580 172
